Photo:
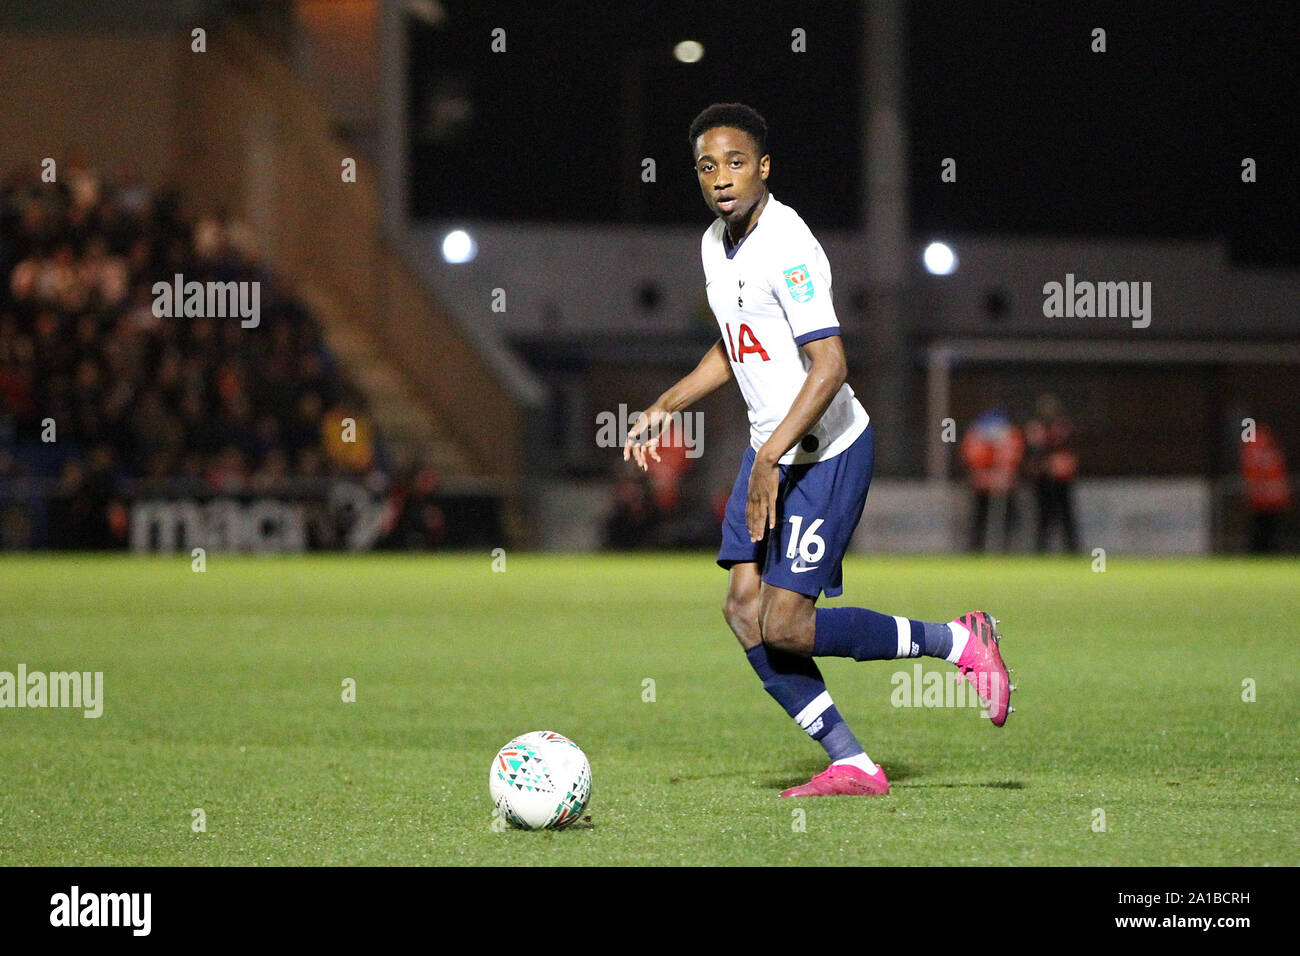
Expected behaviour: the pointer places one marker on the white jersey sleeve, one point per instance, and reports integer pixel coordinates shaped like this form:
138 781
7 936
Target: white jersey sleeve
800 278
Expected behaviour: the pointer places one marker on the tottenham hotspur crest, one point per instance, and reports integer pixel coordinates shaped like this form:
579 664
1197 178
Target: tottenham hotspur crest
800 283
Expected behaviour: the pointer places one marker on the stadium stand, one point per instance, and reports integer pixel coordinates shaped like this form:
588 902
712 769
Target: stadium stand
97 391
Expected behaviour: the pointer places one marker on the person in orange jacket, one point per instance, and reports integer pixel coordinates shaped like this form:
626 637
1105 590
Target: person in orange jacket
1052 464
1268 494
991 450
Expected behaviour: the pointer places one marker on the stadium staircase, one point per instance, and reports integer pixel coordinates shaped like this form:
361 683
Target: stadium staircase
265 152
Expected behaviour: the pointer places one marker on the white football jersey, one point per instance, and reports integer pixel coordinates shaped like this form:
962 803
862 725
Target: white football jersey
771 295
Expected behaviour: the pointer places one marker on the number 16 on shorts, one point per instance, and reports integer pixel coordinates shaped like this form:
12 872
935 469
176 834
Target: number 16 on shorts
806 546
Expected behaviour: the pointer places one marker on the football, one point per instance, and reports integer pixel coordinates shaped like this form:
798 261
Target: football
540 781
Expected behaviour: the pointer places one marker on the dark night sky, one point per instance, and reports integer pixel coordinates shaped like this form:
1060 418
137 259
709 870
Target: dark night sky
1144 140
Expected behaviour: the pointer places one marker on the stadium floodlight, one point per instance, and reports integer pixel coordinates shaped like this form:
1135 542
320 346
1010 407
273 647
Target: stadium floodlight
689 51
458 246
939 259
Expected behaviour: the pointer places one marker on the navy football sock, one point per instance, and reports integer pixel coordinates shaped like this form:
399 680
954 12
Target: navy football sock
796 684
868 635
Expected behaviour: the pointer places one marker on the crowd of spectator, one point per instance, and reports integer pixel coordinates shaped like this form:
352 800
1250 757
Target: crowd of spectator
96 390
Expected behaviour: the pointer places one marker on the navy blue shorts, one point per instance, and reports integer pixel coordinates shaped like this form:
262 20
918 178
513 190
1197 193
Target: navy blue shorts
818 507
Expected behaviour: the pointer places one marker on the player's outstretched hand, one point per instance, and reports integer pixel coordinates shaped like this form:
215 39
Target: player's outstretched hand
645 434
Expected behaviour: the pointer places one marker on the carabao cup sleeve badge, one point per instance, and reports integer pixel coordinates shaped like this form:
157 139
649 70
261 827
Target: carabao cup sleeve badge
799 282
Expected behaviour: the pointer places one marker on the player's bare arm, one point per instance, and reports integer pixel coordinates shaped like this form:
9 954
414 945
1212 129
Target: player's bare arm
712 372
828 372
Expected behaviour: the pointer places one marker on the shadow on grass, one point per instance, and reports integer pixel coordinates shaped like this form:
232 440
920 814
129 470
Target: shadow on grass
992 784
897 772
547 834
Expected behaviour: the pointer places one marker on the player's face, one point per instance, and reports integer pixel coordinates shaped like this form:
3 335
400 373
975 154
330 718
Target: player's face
733 177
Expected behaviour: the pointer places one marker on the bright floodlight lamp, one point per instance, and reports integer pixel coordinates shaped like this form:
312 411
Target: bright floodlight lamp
458 246
939 259
689 51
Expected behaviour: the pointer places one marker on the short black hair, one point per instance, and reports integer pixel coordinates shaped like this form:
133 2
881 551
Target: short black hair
737 115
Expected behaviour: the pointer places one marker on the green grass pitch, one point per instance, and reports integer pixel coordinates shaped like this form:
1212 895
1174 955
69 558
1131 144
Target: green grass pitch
223 692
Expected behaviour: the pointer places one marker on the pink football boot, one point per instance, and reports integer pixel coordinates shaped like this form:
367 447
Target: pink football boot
981 665
843 779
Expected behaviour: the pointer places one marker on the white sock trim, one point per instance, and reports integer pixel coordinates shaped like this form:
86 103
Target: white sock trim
861 761
813 709
904 636
960 635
